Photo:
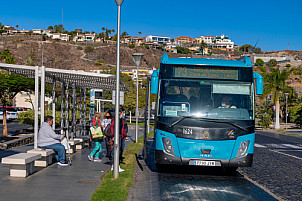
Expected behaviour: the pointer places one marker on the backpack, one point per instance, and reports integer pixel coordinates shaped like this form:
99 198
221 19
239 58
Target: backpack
107 131
96 132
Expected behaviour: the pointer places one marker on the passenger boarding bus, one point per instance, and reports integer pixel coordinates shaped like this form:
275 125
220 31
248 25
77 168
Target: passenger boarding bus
205 111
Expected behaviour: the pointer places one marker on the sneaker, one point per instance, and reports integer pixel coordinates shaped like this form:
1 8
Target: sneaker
97 160
120 169
90 158
62 164
111 167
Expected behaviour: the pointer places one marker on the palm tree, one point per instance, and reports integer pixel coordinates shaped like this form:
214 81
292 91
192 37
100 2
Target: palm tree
1 28
17 26
203 45
275 83
124 34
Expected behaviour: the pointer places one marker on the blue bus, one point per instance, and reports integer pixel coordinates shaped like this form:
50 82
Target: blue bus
205 111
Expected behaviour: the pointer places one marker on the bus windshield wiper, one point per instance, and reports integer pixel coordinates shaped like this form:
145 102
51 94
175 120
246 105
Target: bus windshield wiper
209 120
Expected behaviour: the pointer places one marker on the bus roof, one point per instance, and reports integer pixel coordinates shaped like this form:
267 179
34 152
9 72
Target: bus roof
241 62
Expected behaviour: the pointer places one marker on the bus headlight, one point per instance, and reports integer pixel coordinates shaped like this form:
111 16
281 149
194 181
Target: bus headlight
168 145
243 148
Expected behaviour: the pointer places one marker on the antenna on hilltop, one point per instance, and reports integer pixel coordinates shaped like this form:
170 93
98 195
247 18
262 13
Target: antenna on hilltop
62 16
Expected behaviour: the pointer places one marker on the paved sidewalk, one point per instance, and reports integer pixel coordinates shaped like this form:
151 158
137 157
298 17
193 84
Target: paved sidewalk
76 182
146 186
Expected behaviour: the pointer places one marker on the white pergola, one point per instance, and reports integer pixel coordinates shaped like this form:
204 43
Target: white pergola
65 78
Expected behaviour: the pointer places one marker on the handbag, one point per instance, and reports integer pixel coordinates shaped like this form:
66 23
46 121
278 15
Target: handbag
65 143
96 131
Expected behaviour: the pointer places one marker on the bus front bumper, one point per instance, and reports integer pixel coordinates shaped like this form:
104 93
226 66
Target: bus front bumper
166 159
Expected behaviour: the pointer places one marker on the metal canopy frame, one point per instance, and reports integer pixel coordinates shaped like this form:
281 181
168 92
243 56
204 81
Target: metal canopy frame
64 78
81 79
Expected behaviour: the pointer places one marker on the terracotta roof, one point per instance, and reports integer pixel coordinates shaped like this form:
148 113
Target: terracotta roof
182 37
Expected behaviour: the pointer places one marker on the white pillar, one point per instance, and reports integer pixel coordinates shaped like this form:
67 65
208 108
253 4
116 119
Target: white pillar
136 111
54 104
42 93
36 107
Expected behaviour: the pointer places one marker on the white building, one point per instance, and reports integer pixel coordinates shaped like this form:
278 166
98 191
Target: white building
84 38
26 99
47 32
209 39
37 31
56 36
65 37
158 39
17 31
224 43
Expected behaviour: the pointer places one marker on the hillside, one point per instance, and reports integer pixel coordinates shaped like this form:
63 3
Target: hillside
63 55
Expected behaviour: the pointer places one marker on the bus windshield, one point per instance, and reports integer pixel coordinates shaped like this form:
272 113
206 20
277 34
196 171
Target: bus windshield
212 99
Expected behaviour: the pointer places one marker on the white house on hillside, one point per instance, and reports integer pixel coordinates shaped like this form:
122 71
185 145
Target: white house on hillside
84 38
158 39
37 31
224 43
47 32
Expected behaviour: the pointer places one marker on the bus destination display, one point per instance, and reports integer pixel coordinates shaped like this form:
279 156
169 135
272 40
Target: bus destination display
205 72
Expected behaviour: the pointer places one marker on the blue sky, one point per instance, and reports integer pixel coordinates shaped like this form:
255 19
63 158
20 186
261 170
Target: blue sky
274 24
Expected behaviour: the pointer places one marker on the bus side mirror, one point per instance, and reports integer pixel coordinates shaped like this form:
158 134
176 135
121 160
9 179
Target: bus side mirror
154 82
259 83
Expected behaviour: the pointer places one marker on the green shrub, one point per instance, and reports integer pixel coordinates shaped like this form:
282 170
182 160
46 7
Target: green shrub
100 62
89 49
287 65
272 63
28 117
259 62
183 50
264 120
295 114
131 46
262 69
80 48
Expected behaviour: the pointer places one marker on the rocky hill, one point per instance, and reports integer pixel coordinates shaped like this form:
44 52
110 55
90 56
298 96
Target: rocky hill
69 55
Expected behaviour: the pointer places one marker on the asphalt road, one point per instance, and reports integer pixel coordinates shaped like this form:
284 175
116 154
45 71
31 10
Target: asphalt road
13 127
277 164
201 183
276 175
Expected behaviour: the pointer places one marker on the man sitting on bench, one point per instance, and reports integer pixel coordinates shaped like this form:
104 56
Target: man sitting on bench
48 139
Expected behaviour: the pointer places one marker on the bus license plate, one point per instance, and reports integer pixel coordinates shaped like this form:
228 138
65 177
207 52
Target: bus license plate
205 163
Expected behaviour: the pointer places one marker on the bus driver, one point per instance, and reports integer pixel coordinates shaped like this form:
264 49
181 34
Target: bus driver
226 103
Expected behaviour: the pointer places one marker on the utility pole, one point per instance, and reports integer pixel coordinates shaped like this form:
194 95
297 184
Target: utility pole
62 19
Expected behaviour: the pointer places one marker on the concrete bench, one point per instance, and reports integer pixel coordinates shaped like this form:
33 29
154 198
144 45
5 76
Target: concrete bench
86 139
72 144
46 159
22 164
81 144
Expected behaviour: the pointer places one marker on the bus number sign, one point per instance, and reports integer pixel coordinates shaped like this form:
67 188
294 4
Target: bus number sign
206 72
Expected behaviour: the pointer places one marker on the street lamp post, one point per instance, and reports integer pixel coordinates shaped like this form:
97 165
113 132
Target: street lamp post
286 113
117 95
137 59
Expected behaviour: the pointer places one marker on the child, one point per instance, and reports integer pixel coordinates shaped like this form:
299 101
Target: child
94 155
